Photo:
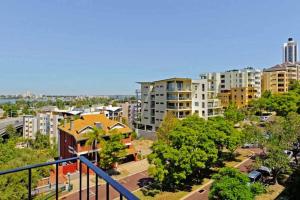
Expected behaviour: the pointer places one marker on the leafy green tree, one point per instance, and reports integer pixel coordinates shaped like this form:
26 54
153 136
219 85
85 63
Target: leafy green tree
168 124
112 150
41 141
231 184
233 114
277 161
11 131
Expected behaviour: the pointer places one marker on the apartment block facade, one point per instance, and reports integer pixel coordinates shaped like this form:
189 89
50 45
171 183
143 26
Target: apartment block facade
45 123
131 111
30 126
180 96
235 86
278 78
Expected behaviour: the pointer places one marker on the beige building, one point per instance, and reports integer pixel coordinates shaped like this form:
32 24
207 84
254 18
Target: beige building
181 96
130 112
277 79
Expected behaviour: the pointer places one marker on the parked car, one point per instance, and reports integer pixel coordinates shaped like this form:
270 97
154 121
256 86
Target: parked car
247 146
255 176
265 171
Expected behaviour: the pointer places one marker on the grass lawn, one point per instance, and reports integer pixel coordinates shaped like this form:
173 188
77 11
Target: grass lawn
242 154
273 191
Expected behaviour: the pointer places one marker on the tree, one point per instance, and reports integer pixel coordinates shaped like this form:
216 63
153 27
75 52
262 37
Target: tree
41 141
233 114
168 124
112 150
277 161
11 131
231 184
94 137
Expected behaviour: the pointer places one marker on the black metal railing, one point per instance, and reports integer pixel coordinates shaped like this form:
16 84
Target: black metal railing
124 193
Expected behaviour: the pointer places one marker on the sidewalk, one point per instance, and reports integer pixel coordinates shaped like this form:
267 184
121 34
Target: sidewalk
126 170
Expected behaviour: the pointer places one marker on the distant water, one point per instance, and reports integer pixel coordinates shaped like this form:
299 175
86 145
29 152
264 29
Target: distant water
2 101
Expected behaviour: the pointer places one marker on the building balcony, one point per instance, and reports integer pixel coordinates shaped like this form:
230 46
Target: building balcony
179 89
179 108
172 98
110 190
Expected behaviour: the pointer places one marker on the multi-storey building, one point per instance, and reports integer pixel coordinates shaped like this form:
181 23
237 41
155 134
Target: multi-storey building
290 51
73 136
180 96
45 123
235 86
30 126
130 112
212 82
278 78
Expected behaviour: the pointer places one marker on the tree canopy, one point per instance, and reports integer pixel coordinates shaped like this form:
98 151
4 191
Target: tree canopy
231 184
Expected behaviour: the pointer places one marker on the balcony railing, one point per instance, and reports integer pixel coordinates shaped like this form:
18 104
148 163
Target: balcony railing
90 166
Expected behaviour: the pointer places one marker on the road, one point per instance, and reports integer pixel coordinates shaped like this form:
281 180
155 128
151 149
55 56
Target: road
17 122
132 183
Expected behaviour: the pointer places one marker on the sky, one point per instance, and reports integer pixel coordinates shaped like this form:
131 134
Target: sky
102 47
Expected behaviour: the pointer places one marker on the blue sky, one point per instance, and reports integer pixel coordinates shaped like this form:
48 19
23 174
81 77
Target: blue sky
105 46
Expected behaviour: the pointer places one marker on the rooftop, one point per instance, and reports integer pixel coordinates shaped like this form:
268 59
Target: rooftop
88 122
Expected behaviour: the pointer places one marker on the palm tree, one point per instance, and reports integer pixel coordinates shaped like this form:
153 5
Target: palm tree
94 137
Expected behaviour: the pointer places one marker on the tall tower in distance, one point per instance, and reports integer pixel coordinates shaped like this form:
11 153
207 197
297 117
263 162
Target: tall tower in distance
290 51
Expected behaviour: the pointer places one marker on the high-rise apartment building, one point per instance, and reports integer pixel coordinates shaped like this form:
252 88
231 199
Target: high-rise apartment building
180 96
290 51
278 78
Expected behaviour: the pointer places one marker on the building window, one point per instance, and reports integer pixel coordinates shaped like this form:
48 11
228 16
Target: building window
196 103
203 105
203 87
203 96
196 96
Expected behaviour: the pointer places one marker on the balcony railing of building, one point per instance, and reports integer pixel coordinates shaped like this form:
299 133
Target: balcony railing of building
178 98
179 107
124 193
178 89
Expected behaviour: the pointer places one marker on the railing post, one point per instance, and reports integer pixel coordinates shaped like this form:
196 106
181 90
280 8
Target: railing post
29 183
96 186
56 180
88 183
80 179
107 190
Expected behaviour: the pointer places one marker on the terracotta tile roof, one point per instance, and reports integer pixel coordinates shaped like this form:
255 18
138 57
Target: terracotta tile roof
88 121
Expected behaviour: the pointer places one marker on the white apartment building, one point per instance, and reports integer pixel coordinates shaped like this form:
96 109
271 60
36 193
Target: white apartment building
244 78
181 96
30 126
45 123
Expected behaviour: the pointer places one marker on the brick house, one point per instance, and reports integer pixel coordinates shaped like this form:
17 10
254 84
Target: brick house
72 136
